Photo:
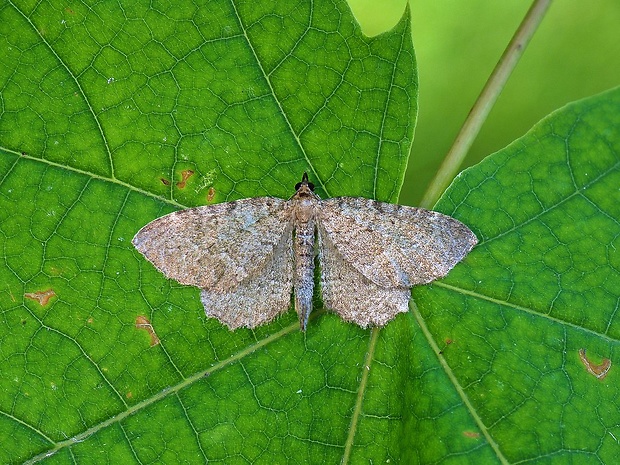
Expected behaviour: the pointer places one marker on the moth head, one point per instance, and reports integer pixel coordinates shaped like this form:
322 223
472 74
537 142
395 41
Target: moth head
304 181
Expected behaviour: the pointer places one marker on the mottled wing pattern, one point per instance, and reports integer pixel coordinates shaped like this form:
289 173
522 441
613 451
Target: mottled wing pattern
241 254
353 296
217 247
260 297
392 245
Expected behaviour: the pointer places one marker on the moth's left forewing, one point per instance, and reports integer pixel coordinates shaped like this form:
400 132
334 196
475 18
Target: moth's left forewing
216 246
394 245
259 298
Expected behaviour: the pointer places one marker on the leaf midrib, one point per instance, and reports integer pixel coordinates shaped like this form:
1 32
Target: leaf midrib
277 101
528 310
413 308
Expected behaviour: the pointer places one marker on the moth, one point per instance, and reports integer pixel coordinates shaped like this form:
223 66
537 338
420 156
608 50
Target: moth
251 255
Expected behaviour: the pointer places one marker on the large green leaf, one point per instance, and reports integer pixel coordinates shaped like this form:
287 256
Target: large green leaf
110 106
104 111
532 315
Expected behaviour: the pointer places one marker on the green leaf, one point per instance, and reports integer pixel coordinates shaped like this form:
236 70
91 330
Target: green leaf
542 285
104 108
105 112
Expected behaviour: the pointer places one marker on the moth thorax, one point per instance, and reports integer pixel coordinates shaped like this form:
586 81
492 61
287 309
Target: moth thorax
305 211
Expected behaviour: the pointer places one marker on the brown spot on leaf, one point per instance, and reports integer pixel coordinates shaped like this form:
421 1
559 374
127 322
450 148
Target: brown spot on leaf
70 11
447 341
471 434
143 323
210 194
600 371
185 175
129 395
43 297
164 181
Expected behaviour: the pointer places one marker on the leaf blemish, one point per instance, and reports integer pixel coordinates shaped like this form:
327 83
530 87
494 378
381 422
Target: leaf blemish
164 181
43 297
448 341
185 175
471 434
599 371
210 194
143 323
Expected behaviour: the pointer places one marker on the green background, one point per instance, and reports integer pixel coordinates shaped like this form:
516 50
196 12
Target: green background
573 55
103 108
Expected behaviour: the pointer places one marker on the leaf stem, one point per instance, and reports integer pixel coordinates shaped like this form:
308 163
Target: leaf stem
484 103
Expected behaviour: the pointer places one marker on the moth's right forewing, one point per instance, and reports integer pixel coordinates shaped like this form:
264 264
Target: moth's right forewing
215 246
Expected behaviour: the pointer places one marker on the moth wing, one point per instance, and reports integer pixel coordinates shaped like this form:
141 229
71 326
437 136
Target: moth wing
259 298
216 246
394 245
352 295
